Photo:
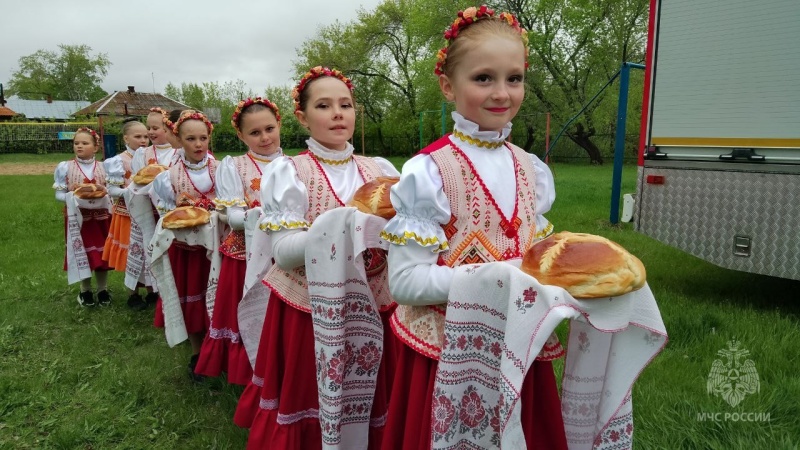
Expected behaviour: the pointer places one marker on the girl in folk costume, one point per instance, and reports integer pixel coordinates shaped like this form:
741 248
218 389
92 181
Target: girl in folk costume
190 181
470 197
161 151
94 223
295 191
257 123
119 172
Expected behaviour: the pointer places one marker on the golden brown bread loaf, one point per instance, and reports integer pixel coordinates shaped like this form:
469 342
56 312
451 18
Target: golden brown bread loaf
373 197
148 173
185 217
90 191
587 266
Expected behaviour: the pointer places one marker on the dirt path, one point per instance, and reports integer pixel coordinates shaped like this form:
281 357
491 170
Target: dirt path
27 168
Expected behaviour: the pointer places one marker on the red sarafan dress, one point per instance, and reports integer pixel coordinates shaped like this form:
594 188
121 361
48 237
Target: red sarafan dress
190 265
238 188
119 171
281 404
96 222
463 200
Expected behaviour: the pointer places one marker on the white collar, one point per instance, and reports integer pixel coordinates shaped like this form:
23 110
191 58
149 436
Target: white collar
129 150
162 147
86 161
325 153
267 158
471 129
197 166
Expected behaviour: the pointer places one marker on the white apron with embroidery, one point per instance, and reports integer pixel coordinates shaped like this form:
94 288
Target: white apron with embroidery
477 404
348 332
204 235
140 207
77 261
253 307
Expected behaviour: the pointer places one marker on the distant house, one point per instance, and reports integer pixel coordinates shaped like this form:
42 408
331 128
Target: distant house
129 103
45 110
6 113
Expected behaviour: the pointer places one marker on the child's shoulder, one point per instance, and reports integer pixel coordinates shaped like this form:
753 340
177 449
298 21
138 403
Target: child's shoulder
442 142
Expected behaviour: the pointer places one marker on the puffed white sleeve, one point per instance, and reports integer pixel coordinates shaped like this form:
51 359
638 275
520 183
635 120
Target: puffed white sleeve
163 192
284 200
545 196
230 191
388 169
417 236
60 180
115 176
138 162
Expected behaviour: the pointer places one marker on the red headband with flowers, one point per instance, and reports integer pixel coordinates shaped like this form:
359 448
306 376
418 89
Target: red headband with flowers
191 114
314 73
250 102
467 18
164 117
91 133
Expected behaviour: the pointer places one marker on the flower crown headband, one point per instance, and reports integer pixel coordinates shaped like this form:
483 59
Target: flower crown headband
191 114
467 18
244 104
314 73
91 133
164 117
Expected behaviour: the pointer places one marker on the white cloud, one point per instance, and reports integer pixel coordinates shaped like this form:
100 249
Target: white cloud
155 42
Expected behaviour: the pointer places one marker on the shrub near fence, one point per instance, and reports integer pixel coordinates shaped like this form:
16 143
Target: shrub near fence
36 137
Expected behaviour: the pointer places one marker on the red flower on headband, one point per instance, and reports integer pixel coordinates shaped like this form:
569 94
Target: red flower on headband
468 17
314 73
192 115
249 102
92 133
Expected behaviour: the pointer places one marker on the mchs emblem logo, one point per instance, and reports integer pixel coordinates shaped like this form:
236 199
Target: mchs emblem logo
735 377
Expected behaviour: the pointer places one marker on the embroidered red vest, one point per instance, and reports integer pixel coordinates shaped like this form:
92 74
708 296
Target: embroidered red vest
234 243
75 175
181 184
476 233
291 285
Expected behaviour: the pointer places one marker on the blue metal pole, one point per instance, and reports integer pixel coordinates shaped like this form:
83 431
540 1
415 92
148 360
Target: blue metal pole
444 112
619 141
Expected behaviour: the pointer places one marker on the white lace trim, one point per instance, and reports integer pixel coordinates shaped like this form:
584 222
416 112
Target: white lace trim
288 419
223 333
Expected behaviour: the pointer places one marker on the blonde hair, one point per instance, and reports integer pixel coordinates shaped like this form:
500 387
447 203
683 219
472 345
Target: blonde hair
473 34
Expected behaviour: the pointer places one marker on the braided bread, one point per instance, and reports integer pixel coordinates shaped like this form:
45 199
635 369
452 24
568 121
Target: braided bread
373 197
185 217
587 266
90 191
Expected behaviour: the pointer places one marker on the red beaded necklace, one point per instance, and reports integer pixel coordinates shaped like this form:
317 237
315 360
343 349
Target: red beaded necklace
86 179
204 201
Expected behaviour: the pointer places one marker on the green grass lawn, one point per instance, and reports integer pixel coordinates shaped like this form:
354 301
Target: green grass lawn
104 378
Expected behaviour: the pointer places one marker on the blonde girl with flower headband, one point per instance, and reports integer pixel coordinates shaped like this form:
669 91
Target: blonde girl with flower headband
160 150
120 170
281 405
257 122
471 173
190 181
85 238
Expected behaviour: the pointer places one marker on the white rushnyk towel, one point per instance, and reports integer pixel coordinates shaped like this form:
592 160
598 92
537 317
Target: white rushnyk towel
348 332
143 224
77 262
253 307
205 235
492 339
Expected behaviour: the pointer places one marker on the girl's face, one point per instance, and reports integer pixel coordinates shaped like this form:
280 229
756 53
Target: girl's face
83 145
261 132
488 87
194 138
136 136
329 113
155 128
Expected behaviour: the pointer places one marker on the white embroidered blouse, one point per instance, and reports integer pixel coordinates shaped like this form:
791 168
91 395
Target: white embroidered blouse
230 191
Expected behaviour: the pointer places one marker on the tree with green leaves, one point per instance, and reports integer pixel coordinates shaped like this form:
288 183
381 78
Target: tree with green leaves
71 73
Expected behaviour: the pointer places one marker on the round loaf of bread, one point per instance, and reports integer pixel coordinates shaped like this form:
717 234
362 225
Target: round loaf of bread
373 197
185 217
90 191
587 266
148 173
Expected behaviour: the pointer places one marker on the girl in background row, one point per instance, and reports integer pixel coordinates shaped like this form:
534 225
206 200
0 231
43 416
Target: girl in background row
84 168
257 123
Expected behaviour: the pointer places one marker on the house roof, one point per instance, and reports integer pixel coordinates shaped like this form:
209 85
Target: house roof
129 103
6 112
41 109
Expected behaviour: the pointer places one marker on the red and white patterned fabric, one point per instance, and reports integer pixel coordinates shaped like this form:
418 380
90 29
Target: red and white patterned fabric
80 259
491 341
348 332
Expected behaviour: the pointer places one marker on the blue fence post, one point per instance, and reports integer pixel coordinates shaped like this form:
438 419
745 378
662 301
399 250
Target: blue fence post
619 142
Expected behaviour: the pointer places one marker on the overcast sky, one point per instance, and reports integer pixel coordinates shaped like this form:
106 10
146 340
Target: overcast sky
155 42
